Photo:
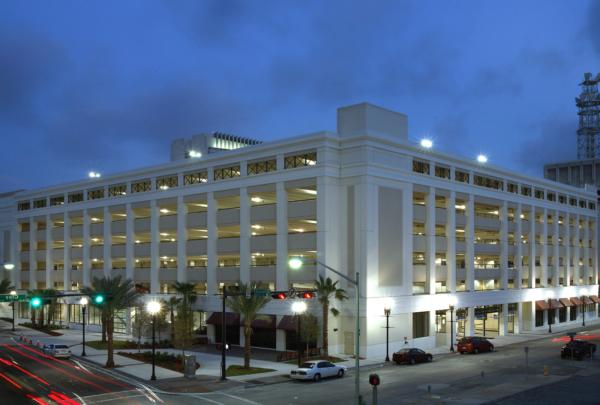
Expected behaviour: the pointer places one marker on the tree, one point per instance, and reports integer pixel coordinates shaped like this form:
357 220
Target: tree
247 304
140 323
327 290
5 286
309 328
184 321
171 305
118 295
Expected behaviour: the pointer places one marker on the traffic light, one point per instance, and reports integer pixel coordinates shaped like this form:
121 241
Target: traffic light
35 302
279 295
307 294
374 379
98 299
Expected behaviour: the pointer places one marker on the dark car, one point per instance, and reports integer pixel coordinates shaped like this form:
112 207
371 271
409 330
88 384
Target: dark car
577 349
411 356
474 344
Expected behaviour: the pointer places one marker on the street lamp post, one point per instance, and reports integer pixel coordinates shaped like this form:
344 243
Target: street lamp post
387 311
295 263
452 328
550 315
83 301
13 293
153 308
298 308
223 338
583 309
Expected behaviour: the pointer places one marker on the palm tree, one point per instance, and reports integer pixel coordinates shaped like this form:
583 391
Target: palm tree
118 295
326 290
5 286
172 304
247 304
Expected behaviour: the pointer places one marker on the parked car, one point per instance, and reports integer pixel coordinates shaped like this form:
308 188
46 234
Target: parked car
577 349
317 369
474 344
411 356
56 350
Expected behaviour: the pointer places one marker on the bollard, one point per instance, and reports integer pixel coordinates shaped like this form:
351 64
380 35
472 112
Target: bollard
546 371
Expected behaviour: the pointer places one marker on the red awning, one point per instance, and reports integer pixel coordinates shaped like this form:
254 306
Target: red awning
566 302
595 299
231 318
576 301
555 304
587 300
541 305
264 322
288 322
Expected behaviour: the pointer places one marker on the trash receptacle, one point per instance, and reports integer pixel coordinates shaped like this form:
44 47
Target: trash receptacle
189 366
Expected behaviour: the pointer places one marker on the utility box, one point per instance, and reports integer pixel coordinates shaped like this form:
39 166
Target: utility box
189 366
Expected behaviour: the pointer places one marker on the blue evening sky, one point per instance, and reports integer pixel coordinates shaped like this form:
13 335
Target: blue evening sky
106 85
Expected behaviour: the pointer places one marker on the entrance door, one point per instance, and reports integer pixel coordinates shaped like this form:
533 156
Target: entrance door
348 343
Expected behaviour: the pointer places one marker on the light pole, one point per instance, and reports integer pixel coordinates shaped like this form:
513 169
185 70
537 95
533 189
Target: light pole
550 314
13 293
298 308
153 308
295 263
83 301
387 311
583 309
452 328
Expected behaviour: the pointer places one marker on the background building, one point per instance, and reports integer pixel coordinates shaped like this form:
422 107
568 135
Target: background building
425 230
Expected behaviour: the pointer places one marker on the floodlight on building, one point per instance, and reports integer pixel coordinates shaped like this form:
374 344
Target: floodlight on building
94 175
482 158
426 143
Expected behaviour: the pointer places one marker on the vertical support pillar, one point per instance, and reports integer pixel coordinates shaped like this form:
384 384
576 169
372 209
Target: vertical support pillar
281 275
576 252
504 245
430 242
107 248
555 250
32 254
470 322
519 321
595 251
544 243
67 252
518 247
86 269
470 243
181 240
211 244
586 251
407 240
49 255
532 252
244 236
15 254
451 242
154 248
129 242
567 243
503 321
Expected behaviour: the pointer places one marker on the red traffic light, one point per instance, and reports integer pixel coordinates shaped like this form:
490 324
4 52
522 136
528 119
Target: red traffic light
307 295
279 296
374 379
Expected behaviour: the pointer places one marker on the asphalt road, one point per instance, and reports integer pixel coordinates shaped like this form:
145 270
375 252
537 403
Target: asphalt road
453 378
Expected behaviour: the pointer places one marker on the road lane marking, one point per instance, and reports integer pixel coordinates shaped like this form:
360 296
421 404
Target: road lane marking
240 398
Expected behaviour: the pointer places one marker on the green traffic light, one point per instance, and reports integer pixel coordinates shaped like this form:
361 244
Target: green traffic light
36 302
99 299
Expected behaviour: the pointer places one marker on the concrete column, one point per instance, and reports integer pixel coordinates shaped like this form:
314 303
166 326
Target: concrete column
544 243
576 250
181 240
129 242
245 233
107 248
451 242
504 245
518 247
14 255
49 255
154 248
586 251
503 321
470 322
67 252
555 250
407 240
281 275
519 318
470 243
595 252
211 244
32 254
532 252
567 258
280 342
430 243
86 250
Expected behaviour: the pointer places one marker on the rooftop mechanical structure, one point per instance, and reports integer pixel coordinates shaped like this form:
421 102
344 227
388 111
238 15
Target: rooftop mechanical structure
588 103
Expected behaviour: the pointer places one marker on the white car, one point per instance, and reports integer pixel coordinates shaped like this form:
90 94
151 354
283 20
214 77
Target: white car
56 350
317 369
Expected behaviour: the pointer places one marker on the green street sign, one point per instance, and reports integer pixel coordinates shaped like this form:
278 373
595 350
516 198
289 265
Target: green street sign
12 298
261 293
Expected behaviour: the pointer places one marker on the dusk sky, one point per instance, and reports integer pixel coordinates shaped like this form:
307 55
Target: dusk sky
106 85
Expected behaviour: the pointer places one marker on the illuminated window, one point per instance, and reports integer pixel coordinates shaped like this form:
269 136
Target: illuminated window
305 159
195 178
141 186
420 167
167 182
488 182
461 176
57 200
117 190
262 167
227 172
443 172
95 194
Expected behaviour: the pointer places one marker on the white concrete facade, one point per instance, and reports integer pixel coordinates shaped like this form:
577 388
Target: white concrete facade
422 228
